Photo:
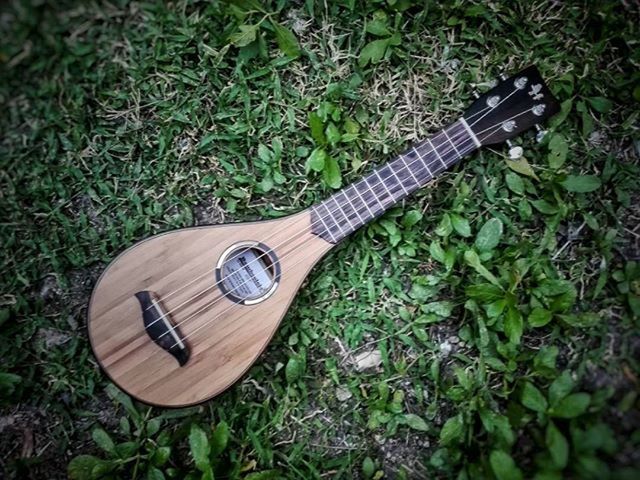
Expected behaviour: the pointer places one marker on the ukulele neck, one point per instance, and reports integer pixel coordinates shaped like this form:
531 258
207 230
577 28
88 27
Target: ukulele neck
371 196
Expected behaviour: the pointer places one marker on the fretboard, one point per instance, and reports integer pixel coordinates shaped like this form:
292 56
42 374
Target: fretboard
371 196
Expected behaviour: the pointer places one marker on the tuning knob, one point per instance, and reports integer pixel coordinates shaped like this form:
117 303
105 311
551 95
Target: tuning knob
503 76
515 151
475 94
541 133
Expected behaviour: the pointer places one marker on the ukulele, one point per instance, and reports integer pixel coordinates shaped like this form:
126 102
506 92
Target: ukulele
179 317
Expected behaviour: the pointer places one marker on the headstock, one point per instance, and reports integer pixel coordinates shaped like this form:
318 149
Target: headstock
514 105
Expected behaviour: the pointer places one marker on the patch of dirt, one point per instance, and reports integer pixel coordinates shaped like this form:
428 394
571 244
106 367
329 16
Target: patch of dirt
208 213
75 296
30 442
407 453
83 204
630 245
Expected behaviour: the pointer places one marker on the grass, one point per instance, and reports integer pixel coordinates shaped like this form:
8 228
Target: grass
502 302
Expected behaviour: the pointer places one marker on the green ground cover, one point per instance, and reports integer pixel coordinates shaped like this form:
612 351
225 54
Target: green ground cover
498 309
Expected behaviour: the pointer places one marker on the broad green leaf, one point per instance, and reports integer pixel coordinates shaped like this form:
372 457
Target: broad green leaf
558 149
442 308
125 401
103 440
264 153
495 308
571 406
489 235
444 228
503 430
416 422
81 467
557 445
154 473
331 173
219 439
513 325
317 129
565 109
515 183
460 225
316 160
287 41
452 431
503 466
160 456
561 387
153 426
472 259
378 26
600 104
333 134
484 292
533 399
245 36
127 449
581 183
373 52
199 445
368 468
436 251
545 359
522 167
411 218
559 294
293 370
544 207
539 317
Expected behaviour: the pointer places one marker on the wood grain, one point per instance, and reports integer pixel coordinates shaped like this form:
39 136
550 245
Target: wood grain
225 338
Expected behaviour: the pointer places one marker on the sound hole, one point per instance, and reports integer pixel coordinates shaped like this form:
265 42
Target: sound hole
248 273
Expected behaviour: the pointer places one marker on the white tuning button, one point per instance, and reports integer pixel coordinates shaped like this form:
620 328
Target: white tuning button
475 94
541 133
493 101
520 82
538 109
509 126
502 77
515 152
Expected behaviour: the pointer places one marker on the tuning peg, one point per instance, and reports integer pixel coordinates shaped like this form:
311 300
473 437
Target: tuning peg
515 151
475 94
503 76
541 133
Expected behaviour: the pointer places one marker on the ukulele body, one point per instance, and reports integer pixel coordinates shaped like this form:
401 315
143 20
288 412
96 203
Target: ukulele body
179 317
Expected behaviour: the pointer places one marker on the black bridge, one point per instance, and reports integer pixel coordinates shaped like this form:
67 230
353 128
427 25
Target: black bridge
158 326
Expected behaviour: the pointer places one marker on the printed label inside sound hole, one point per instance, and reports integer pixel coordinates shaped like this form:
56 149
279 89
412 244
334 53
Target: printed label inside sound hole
248 273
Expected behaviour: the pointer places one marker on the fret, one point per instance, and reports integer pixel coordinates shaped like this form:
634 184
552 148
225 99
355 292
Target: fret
362 222
326 226
346 217
452 144
374 193
467 128
423 162
366 205
437 154
404 162
359 203
393 172
384 185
